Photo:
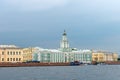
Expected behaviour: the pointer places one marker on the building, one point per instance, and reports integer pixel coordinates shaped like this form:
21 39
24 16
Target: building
84 56
11 53
72 54
48 55
102 56
111 57
27 54
98 56
57 56
63 54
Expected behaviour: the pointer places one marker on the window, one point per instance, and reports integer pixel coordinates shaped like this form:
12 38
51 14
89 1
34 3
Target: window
13 59
19 53
13 53
16 53
2 59
2 53
16 59
10 59
8 52
7 59
19 59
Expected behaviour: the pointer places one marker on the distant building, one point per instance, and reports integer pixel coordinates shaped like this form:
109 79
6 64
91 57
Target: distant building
27 54
48 55
102 56
11 53
63 54
56 56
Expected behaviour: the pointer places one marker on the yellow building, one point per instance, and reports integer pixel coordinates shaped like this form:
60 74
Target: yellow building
111 57
115 56
10 53
27 54
102 56
98 56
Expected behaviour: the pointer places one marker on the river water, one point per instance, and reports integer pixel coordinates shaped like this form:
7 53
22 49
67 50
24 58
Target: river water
88 72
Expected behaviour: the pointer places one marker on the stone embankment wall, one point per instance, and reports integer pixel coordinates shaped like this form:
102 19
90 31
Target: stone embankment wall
32 64
112 62
107 62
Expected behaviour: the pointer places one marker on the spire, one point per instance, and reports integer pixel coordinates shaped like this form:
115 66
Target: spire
64 33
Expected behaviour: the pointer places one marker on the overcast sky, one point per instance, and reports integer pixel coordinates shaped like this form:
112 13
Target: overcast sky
90 24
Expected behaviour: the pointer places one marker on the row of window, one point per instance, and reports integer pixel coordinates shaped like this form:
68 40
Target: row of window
12 59
12 53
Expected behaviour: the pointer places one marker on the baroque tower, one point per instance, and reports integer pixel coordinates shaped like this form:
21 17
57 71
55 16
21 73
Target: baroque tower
64 44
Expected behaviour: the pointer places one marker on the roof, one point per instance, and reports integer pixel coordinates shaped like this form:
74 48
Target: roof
9 47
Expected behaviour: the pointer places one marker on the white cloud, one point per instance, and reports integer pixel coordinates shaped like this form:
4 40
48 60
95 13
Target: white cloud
33 4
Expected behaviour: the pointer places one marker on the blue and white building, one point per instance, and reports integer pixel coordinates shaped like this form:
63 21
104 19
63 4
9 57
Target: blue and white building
63 54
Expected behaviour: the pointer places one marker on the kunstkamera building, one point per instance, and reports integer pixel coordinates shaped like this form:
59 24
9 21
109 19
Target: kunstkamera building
63 54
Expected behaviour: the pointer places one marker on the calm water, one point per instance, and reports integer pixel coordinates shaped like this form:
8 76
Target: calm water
101 72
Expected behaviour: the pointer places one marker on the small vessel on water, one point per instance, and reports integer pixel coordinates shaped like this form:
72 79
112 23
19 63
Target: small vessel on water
75 63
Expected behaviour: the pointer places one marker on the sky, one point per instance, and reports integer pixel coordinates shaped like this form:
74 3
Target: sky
90 24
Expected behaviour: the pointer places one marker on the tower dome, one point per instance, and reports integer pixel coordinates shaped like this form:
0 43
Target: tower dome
64 33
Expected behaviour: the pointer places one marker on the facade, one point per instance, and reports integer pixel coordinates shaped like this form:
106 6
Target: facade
48 55
63 54
98 56
10 53
102 56
57 56
27 54
111 57
84 56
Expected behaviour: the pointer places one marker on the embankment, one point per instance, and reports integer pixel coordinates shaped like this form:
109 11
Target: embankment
32 64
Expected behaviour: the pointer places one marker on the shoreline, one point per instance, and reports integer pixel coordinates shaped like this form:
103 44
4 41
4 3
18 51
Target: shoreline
54 64
32 64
